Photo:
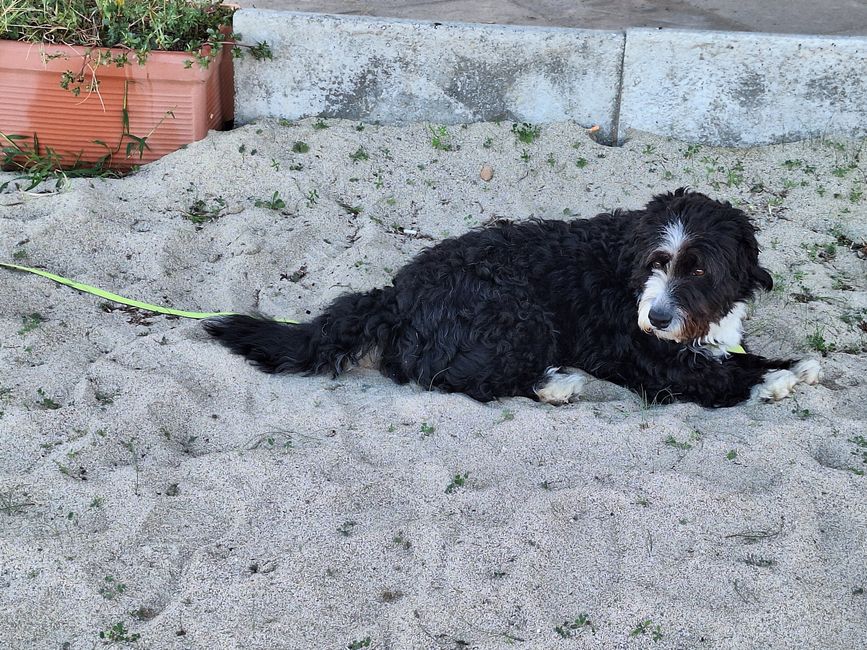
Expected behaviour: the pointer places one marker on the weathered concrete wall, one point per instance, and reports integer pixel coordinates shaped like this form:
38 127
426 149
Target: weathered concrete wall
742 89
392 71
736 89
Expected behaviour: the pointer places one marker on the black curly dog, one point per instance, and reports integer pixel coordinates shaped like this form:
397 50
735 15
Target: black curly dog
650 299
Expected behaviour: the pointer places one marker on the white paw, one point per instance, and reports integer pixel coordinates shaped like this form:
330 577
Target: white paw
560 387
779 384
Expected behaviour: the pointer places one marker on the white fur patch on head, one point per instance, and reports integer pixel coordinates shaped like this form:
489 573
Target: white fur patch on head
656 291
560 387
673 238
728 332
780 384
655 286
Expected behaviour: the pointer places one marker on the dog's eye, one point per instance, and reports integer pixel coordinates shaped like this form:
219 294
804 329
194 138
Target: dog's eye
698 272
657 265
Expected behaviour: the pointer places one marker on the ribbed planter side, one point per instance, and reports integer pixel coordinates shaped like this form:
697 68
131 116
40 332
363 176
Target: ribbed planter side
167 103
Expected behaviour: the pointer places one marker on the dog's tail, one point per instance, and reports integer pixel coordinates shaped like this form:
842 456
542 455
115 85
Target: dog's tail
349 328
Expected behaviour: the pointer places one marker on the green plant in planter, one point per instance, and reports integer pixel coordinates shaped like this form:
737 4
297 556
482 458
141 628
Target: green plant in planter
109 33
135 26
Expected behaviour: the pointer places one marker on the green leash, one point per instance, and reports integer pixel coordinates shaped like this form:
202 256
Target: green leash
113 297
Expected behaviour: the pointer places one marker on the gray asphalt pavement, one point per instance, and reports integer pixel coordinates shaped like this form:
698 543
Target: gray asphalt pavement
783 16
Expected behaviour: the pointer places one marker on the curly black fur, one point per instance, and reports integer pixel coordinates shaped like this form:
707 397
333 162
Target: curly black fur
488 312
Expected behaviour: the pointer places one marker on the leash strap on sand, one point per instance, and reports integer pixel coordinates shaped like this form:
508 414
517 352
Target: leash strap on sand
113 297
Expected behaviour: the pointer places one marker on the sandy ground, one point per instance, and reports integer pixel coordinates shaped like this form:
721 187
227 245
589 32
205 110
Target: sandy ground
150 480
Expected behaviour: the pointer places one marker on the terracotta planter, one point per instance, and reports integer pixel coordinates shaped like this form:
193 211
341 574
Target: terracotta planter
168 104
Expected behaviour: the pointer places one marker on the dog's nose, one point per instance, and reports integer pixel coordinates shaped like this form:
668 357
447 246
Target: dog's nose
660 318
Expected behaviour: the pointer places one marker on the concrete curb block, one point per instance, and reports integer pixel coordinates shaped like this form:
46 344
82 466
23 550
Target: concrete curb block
741 89
397 71
722 88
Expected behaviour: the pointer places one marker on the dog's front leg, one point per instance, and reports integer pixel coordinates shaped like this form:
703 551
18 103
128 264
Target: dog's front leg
729 381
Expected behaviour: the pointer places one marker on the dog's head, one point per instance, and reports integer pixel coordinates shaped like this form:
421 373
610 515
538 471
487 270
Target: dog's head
696 262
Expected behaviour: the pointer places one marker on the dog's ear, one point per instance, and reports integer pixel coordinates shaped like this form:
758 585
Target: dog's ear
762 278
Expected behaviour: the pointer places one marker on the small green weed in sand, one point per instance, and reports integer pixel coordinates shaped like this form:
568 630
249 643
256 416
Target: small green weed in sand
19 255
426 429
5 394
12 503
823 252
45 401
525 156
359 155
671 441
347 527
300 147
30 323
761 562
357 645
391 595
111 588
459 481
691 151
354 210
844 240
647 627
118 633
800 412
581 163
274 203
39 164
860 452
855 318
732 454
735 175
203 210
774 202
816 341
842 171
840 282
526 132
401 540
571 628
131 446
441 139
320 124
71 470
312 197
